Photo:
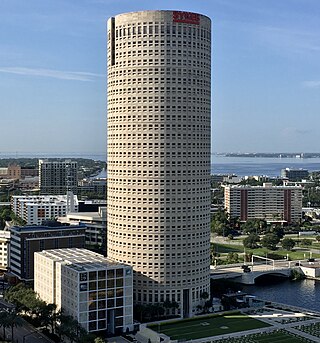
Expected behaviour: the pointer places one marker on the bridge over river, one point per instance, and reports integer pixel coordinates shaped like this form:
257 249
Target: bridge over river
249 273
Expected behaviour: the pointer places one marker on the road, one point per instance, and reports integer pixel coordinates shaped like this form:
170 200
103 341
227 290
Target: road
27 334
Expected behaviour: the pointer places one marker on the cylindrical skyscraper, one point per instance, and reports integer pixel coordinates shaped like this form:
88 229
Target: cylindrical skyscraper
158 201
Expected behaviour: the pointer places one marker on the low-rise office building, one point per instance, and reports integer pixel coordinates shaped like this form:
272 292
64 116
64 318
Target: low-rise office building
95 223
272 203
294 174
97 292
26 240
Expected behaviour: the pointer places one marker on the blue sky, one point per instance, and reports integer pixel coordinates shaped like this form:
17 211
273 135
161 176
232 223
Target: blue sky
265 73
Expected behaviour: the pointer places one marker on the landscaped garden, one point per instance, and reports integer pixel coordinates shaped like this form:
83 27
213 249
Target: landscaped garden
312 329
279 336
224 250
208 326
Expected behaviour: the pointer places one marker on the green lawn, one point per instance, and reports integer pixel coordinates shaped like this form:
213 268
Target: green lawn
224 249
208 326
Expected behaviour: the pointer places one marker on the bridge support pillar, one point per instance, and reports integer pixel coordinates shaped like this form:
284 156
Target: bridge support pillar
247 278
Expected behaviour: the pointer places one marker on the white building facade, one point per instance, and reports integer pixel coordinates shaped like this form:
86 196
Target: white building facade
272 203
4 248
95 291
158 187
34 209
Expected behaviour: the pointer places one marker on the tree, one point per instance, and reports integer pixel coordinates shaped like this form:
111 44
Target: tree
14 320
19 295
254 226
277 230
204 295
70 328
251 241
270 241
318 238
306 242
220 223
99 340
233 257
288 243
4 321
166 305
48 315
89 338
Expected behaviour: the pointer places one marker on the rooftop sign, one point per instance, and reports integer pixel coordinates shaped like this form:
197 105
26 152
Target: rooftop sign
186 17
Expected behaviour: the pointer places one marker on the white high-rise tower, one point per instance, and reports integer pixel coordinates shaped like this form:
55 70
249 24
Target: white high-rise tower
158 201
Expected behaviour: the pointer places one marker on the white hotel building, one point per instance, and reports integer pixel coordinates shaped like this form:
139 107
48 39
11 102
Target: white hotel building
272 203
95 291
4 248
158 187
35 209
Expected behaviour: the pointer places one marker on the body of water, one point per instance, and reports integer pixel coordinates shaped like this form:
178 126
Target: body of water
243 166
219 164
302 293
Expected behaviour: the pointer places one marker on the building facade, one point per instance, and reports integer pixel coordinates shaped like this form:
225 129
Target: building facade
294 174
158 187
34 209
58 177
272 203
26 240
4 244
95 223
95 291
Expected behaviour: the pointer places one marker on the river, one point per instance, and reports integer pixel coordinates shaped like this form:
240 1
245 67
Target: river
302 293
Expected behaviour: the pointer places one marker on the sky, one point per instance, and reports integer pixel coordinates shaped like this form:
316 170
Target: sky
265 73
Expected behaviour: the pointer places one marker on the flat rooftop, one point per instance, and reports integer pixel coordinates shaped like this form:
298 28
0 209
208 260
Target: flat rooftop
81 259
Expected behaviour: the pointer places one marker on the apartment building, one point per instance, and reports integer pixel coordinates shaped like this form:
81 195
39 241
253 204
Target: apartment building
273 203
58 177
35 209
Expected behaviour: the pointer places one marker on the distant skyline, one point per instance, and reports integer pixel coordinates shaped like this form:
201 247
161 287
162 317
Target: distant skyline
265 73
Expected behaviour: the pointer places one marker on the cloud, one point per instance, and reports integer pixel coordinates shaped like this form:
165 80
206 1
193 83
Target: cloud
311 84
292 40
51 73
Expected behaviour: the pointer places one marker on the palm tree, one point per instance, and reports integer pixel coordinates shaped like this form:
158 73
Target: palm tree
4 322
48 316
14 320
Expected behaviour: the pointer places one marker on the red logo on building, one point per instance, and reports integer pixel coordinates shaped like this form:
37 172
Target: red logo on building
186 17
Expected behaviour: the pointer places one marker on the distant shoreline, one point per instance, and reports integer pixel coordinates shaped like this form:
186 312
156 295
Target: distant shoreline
269 155
58 156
